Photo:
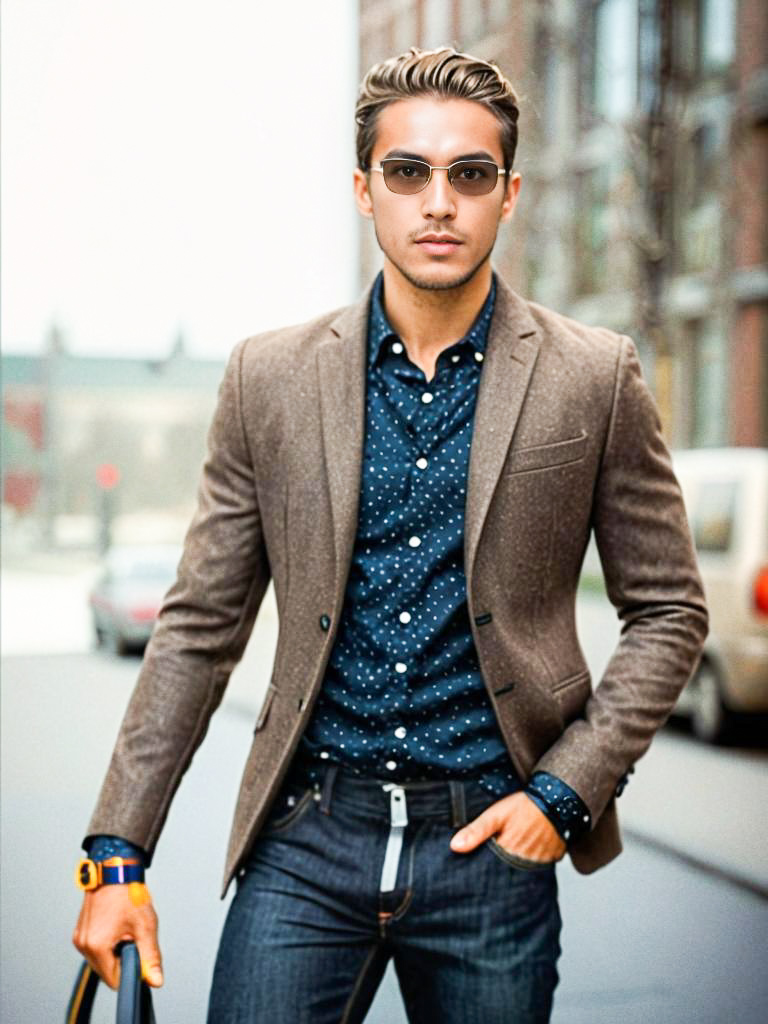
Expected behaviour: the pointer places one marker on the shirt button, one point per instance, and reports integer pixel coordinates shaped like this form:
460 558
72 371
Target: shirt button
401 667
400 732
479 356
427 397
391 765
405 618
414 542
397 348
422 463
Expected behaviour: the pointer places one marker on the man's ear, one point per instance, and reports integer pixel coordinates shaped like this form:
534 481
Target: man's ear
362 193
511 193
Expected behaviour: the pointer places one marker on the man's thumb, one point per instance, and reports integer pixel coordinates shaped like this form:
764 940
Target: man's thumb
151 962
151 971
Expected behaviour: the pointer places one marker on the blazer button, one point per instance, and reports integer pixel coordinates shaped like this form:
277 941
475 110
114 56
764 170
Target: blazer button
325 623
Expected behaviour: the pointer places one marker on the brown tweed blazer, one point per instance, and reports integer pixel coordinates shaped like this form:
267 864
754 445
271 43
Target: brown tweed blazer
566 440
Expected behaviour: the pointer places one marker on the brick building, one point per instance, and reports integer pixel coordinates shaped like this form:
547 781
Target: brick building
644 154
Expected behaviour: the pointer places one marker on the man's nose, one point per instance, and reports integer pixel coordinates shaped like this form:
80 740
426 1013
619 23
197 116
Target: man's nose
439 197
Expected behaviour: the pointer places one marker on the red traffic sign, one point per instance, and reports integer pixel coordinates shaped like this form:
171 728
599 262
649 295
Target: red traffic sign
108 476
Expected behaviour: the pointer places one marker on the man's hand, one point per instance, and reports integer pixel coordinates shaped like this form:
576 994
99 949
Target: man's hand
518 825
116 913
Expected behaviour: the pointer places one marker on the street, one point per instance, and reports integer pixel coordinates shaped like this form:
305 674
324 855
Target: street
651 937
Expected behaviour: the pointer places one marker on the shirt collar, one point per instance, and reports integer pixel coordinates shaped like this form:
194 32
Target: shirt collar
380 330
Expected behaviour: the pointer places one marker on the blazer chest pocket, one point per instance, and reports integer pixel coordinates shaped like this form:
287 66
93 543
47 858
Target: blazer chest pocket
547 456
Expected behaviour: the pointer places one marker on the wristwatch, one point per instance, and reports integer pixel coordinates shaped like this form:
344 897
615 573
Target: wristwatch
91 874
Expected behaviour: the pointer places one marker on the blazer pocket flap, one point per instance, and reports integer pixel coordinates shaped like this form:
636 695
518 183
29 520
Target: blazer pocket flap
579 679
261 721
544 456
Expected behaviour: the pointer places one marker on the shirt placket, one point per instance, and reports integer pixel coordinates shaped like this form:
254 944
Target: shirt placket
422 420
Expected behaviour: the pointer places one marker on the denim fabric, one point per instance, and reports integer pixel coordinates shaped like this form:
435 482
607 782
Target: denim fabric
474 937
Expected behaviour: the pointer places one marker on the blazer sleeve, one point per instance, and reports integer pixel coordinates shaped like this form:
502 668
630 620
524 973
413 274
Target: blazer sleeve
200 635
652 580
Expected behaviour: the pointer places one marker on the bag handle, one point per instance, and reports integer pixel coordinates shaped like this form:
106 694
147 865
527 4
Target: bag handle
134 997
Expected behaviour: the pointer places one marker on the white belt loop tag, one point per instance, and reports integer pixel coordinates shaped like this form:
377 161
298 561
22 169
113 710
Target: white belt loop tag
398 819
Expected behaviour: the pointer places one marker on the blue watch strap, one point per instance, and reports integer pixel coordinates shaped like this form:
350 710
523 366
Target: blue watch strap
121 874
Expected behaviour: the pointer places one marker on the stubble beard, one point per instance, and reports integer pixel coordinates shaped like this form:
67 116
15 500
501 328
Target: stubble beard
436 286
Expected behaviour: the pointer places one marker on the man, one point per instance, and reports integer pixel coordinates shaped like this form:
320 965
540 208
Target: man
419 475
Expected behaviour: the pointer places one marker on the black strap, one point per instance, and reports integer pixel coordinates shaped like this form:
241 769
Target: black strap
134 997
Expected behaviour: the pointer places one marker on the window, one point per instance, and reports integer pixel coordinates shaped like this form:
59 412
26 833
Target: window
698 195
472 21
615 59
710 383
704 37
405 28
498 13
546 68
438 23
592 230
716 34
648 54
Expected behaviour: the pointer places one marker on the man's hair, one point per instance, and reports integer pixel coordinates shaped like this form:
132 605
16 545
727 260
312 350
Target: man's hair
443 73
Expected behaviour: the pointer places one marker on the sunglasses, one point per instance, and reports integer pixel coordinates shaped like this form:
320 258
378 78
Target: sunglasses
469 177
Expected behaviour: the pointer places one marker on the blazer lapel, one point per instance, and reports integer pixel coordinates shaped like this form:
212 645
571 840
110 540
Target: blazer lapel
513 346
341 365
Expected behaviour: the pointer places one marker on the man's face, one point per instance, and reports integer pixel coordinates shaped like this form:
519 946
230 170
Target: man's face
437 238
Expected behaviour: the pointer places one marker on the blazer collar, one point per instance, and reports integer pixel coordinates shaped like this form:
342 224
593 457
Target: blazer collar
513 346
341 365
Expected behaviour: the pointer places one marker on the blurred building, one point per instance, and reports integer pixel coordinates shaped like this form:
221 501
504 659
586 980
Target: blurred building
644 154
74 426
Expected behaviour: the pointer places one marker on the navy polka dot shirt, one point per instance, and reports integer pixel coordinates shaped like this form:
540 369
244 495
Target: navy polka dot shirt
403 697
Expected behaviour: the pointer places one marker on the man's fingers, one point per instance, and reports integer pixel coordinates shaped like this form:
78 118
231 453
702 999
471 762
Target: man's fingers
116 914
105 963
96 951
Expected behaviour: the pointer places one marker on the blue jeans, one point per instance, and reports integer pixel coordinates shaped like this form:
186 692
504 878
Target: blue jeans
474 937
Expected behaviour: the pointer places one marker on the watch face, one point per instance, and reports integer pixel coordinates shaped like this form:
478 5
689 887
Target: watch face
86 875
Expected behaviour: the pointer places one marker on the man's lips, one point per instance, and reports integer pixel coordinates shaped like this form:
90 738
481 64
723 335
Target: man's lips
439 238
438 244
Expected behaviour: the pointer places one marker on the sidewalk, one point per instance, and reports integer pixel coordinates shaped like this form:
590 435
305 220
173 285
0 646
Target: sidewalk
682 805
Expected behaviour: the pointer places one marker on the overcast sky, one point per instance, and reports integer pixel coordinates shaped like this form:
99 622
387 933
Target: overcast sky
175 165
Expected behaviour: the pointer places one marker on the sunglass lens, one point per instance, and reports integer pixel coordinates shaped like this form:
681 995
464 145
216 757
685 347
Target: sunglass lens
405 176
474 177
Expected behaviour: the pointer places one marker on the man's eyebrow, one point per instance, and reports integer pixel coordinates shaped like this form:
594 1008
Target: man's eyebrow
402 154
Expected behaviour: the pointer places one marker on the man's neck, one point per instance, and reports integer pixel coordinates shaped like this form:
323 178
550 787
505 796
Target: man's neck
431 321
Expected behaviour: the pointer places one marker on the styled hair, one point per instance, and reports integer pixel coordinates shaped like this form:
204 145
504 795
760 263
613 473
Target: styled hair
443 73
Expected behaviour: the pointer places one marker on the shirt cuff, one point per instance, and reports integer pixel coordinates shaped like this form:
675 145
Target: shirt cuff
101 848
564 807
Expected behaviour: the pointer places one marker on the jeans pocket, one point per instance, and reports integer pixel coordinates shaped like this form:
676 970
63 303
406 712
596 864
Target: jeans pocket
515 860
290 807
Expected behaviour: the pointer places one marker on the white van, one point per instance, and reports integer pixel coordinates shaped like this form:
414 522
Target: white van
726 496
